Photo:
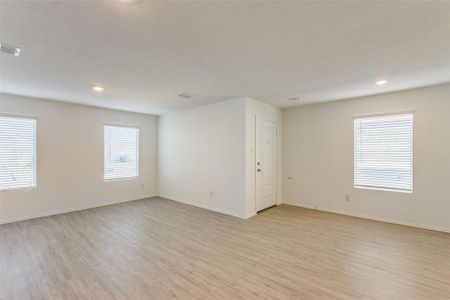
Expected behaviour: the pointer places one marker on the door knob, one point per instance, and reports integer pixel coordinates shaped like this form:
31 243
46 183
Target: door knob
259 170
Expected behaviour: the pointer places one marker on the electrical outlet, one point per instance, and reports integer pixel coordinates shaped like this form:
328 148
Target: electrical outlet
142 186
211 194
347 197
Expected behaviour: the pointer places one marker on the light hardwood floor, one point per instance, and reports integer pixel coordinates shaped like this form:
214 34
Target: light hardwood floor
160 249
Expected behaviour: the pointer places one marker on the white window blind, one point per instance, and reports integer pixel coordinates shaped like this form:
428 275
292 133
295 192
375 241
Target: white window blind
121 152
17 152
383 148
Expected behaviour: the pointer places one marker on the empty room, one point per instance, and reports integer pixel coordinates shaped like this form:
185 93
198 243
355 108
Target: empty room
225 150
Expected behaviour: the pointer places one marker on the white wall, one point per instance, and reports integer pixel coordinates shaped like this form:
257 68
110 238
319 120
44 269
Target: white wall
318 156
70 159
256 109
212 149
202 151
206 157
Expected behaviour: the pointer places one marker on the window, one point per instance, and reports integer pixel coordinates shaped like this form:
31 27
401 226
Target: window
17 152
121 152
383 148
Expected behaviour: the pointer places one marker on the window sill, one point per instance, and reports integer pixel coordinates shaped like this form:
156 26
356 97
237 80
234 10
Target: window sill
121 179
382 189
30 188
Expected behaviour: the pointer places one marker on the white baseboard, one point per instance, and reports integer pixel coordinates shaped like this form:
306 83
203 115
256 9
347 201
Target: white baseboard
226 212
67 210
215 209
375 218
248 216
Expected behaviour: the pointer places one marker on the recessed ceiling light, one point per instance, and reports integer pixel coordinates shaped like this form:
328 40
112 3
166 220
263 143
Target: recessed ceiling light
98 88
381 82
10 49
185 95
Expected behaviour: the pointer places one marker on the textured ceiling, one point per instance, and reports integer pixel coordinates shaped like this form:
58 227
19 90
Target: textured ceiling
146 53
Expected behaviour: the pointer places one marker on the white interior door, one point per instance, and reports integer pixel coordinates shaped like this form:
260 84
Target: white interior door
266 164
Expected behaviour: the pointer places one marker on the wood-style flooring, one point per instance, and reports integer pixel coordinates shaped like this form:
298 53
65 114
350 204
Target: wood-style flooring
160 249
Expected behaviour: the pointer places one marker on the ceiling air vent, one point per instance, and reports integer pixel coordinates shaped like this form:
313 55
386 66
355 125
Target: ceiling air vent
185 95
10 49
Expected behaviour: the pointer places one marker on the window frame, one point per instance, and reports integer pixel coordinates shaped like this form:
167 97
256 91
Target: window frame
386 189
138 150
36 164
